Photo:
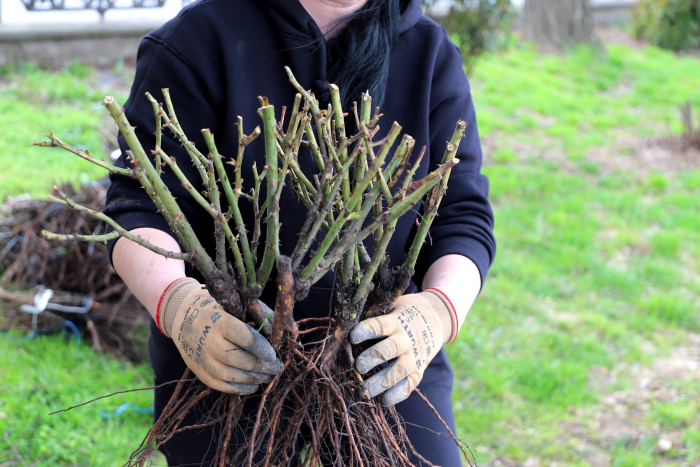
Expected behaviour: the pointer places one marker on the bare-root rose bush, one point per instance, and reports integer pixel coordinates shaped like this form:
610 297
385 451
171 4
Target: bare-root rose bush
360 190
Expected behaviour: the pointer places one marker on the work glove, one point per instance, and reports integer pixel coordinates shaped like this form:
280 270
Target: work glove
224 352
412 333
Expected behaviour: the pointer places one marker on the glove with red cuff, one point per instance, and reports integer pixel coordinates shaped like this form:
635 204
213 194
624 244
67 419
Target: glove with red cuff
224 352
412 333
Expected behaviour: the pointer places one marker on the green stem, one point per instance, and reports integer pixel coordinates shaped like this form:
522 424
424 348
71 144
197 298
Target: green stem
257 211
272 241
301 191
313 146
313 105
157 110
233 203
348 263
295 120
409 177
57 143
294 165
364 256
374 169
178 221
243 141
378 208
339 122
313 216
83 238
172 119
314 268
393 171
185 182
354 235
66 201
219 220
377 258
141 175
365 109
434 198
237 258
197 157
306 239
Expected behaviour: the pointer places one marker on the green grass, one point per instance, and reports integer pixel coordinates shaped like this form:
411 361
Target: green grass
596 271
51 373
591 266
585 98
33 101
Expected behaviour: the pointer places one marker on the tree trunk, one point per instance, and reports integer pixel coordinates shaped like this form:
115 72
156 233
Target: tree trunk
559 23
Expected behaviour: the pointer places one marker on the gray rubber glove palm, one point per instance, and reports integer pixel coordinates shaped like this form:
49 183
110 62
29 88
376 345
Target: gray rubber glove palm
224 352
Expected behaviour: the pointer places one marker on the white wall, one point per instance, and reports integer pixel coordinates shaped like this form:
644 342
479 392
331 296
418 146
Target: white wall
13 12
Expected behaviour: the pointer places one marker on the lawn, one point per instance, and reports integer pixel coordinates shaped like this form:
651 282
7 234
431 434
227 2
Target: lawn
584 347
46 374
66 102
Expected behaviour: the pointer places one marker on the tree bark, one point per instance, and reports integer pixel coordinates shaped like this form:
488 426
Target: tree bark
559 23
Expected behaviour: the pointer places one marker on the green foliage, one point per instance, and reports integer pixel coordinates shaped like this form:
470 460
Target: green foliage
475 26
669 24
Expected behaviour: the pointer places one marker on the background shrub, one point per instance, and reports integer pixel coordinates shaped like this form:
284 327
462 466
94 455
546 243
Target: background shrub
669 24
475 26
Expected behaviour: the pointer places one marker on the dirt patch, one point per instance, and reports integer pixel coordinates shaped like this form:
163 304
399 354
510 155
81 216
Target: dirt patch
547 149
626 153
613 35
624 416
643 156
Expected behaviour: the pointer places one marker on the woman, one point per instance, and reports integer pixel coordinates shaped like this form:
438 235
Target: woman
216 57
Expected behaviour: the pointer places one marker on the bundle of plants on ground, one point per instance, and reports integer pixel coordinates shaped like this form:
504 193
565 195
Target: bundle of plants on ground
79 274
360 190
669 24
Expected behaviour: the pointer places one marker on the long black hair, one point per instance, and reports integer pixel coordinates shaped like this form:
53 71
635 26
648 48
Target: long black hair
364 46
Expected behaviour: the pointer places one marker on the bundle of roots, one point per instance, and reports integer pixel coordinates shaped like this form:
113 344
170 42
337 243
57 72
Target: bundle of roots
73 269
318 411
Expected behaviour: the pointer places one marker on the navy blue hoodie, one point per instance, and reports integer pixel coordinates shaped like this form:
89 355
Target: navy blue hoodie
217 56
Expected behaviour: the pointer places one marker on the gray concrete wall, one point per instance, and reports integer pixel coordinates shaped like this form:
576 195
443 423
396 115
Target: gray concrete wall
612 11
56 44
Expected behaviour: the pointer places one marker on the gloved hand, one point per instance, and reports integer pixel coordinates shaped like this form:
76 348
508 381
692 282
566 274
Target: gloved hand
224 352
415 329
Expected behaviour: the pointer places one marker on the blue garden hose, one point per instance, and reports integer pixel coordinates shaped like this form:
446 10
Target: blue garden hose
122 408
68 329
